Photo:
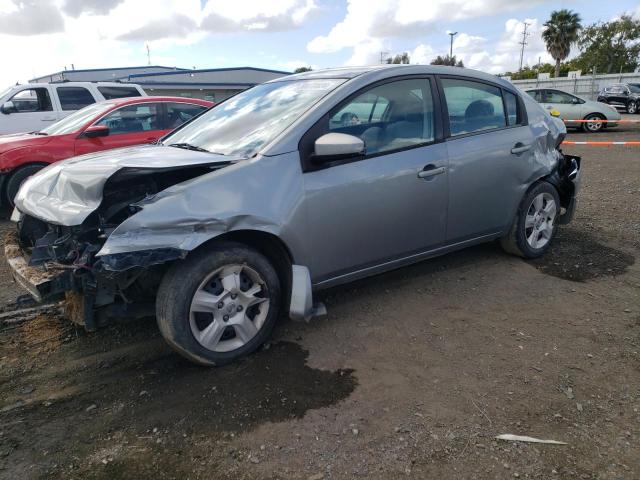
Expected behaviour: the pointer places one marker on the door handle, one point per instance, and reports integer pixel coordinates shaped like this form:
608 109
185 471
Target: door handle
519 148
430 171
47 119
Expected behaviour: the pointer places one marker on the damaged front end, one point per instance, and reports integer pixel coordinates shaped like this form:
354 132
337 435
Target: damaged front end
54 261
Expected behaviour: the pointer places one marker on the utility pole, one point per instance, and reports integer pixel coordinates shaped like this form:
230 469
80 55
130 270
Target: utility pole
451 34
525 34
148 55
383 57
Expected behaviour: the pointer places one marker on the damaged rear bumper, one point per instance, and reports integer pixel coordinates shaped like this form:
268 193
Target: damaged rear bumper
40 283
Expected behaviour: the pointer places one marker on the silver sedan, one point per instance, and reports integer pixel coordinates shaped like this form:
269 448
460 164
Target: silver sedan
586 114
295 185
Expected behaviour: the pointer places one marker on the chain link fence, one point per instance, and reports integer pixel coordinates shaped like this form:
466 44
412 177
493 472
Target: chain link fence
586 86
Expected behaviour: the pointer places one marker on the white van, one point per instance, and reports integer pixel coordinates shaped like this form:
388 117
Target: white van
32 107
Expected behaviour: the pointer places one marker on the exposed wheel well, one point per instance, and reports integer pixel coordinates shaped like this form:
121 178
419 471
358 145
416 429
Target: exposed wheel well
13 172
271 247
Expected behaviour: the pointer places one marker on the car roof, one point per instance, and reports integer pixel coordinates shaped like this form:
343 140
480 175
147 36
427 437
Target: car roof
392 70
133 100
79 83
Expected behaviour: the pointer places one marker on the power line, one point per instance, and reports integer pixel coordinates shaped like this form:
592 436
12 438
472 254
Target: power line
525 34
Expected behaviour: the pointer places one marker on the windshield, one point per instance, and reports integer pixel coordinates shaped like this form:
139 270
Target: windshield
71 123
5 92
243 124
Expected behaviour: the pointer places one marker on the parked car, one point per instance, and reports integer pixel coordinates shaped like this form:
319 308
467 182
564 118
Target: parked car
34 106
100 126
239 215
573 107
623 95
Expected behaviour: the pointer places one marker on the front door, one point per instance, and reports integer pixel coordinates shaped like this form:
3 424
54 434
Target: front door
32 111
129 125
489 158
390 204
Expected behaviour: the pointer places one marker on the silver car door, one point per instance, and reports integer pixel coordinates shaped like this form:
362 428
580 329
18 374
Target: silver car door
489 157
392 202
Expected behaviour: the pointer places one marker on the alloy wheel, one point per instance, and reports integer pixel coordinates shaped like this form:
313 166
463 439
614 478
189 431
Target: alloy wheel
539 222
229 308
594 126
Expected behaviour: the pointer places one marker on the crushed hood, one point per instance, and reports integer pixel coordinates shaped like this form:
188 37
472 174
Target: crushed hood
67 192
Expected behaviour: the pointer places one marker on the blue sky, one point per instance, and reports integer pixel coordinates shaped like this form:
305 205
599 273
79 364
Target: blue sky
43 36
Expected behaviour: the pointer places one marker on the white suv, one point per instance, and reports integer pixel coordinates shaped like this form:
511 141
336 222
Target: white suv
32 107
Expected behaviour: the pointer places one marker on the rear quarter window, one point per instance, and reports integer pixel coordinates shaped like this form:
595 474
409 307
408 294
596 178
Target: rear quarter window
74 98
118 92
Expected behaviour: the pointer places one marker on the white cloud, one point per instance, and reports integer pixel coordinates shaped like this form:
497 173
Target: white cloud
422 54
30 17
372 26
476 52
46 35
221 16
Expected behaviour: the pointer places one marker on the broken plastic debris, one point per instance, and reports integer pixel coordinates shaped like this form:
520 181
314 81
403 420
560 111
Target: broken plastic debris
522 438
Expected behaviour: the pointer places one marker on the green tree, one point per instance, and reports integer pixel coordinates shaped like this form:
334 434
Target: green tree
560 33
610 47
447 60
302 69
399 59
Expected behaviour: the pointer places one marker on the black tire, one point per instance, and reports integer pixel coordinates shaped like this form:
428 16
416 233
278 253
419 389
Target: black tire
185 277
516 241
593 127
632 107
17 178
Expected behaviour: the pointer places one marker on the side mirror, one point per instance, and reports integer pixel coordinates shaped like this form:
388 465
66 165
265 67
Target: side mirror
8 107
575 100
337 146
95 131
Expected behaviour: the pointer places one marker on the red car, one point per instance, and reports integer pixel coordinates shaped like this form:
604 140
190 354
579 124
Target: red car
101 126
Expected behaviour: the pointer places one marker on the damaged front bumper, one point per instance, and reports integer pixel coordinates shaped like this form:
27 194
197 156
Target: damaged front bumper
42 284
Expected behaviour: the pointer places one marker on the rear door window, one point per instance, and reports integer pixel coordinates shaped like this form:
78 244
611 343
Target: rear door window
511 104
473 106
118 92
74 98
178 113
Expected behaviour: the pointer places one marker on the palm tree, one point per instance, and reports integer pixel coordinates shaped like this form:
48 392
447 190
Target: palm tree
562 30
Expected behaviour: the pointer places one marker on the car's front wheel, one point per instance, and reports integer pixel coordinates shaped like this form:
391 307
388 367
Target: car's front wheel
593 123
632 107
535 224
16 180
219 304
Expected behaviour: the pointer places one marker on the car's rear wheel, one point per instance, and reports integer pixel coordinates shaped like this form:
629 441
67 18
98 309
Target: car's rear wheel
535 224
592 126
219 304
632 107
16 180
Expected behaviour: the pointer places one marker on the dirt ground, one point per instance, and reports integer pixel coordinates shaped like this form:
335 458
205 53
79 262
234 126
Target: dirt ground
411 374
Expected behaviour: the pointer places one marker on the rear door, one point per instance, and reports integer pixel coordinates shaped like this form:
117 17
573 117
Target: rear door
129 125
489 147
73 98
178 113
392 202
